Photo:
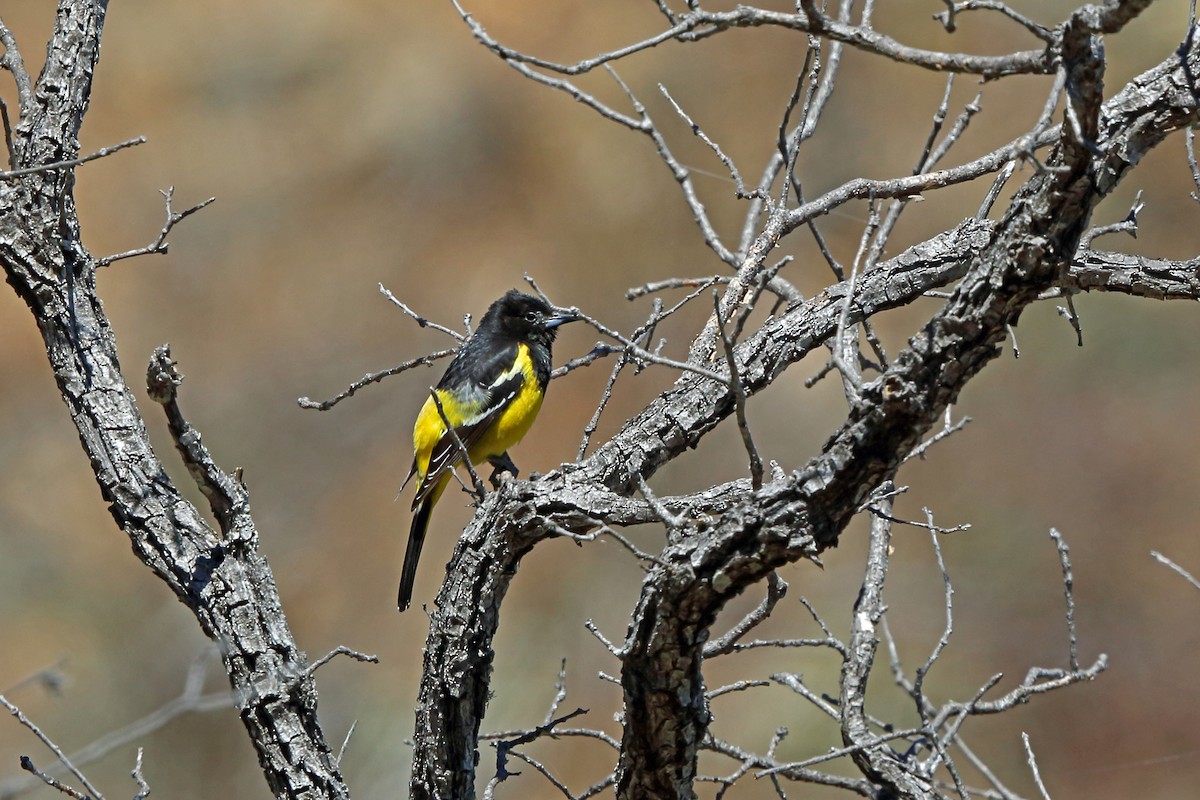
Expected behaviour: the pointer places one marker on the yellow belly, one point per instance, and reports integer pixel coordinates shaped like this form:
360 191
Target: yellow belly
514 423
505 432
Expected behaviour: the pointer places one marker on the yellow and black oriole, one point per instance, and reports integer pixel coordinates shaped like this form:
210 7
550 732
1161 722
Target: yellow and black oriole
490 395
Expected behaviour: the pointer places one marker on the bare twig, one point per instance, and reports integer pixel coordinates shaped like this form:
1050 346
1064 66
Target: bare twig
786 292
227 496
779 644
770 767
842 752
421 321
600 637
1064 557
948 429
796 684
601 350
838 271
560 692
789 145
72 162
346 741
373 377
843 345
947 631
739 398
340 650
594 422
993 193
538 290
1183 573
8 134
947 16
776 590
681 174
28 766
938 529
868 609
736 686
12 61
812 612
570 89
671 521
1012 335
643 334
1033 767
926 159
1189 142
139 779
665 11
54 748
1002 792
160 244
604 530
909 186
653 287
505 746
716 148
1072 316
639 353
1128 225
697 25
191 699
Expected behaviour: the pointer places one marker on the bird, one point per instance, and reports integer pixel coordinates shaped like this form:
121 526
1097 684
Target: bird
490 395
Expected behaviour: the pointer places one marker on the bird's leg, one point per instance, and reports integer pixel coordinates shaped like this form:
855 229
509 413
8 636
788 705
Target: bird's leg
501 464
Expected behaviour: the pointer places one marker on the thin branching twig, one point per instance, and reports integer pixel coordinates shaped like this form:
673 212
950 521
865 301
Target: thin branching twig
160 244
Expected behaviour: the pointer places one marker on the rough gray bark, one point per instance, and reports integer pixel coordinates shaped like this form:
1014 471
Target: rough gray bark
219 575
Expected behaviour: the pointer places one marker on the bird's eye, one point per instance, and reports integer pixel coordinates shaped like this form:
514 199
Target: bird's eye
531 317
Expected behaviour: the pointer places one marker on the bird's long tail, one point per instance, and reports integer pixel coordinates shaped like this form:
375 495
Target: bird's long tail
412 553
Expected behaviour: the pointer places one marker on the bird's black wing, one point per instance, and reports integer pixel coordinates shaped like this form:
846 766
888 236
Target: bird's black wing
479 362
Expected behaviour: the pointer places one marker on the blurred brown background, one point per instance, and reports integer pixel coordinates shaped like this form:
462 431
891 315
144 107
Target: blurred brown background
350 144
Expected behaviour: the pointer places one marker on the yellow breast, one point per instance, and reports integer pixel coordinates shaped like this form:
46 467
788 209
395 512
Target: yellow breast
516 420
505 432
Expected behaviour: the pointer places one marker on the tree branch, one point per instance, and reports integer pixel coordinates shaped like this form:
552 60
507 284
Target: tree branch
224 580
782 519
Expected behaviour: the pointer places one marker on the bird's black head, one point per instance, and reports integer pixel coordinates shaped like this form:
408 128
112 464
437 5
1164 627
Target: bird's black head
524 318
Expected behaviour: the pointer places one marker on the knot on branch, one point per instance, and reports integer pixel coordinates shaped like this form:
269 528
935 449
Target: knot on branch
162 376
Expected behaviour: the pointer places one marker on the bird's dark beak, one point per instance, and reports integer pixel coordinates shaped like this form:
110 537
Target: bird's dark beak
561 319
